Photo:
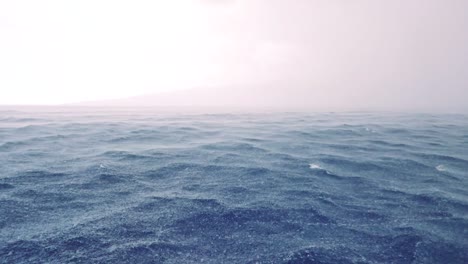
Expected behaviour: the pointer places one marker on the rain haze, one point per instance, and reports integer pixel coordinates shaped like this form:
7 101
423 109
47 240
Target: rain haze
234 131
363 54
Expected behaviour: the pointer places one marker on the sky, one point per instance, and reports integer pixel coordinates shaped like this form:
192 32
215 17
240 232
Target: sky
353 54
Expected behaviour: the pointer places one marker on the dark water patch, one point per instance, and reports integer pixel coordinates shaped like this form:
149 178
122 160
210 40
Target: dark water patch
236 220
50 138
352 180
303 134
236 190
441 252
110 178
449 176
185 170
228 158
340 132
41 175
388 144
188 128
366 215
6 186
236 147
175 170
401 131
13 145
140 137
438 214
435 144
322 255
439 202
32 128
132 231
444 158
21 120
80 243
254 140
14 212
45 197
355 148
69 250
407 166
161 203
192 187
155 252
402 249
350 165
22 252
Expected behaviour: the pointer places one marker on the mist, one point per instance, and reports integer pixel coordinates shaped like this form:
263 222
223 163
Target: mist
325 55
234 131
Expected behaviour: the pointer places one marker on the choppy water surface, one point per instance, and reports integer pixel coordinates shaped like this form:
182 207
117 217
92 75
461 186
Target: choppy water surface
149 187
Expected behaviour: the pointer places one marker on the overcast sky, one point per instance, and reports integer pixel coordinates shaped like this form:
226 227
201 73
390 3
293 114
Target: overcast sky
398 54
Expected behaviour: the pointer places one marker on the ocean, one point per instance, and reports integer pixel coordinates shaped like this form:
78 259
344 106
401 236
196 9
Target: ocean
148 186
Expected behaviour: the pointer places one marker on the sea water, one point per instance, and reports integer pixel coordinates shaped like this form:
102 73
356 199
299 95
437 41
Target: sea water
149 186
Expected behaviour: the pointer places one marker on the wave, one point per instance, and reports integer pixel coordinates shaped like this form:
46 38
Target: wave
270 188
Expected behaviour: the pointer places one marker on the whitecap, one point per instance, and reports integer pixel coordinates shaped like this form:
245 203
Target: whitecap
315 166
370 130
441 168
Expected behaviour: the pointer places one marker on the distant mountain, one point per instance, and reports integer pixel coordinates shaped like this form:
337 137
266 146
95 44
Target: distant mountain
260 96
283 96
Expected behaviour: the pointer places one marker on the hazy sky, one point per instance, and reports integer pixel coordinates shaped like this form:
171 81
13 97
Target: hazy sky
350 53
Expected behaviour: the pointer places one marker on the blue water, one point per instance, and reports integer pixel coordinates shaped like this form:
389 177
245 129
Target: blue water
95 186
